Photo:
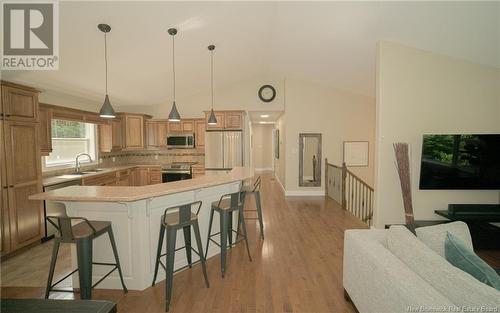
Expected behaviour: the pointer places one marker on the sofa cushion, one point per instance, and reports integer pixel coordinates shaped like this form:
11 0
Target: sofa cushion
461 256
461 288
434 236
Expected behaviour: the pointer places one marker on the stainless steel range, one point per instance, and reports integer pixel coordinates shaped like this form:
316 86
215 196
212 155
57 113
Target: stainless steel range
177 171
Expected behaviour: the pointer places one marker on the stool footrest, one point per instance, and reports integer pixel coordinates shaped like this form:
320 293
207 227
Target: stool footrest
181 268
230 245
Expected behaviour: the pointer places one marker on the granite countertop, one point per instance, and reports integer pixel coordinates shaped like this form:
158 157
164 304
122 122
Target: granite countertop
135 193
63 178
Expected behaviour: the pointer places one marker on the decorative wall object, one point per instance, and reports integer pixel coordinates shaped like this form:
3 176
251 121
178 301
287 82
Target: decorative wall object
356 153
277 144
401 150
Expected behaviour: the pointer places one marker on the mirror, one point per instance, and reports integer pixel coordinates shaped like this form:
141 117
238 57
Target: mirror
310 160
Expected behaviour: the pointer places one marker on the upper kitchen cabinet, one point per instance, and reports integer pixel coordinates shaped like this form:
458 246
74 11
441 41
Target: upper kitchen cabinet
105 138
151 134
45 129
161 133
230 120
116 133
219 115
184 126
19 103
133 130
199 132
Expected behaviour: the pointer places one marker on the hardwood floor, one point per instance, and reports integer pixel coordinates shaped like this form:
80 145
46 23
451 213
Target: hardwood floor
297 268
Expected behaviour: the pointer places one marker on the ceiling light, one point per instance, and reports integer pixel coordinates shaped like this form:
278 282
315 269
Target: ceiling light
262 122
212 120
174 115
107 110
264 115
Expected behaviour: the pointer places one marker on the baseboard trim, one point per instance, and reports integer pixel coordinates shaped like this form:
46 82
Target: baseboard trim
279 181
301 193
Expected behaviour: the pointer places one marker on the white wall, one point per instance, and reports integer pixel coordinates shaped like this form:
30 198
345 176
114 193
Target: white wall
418 93
338 115
262 146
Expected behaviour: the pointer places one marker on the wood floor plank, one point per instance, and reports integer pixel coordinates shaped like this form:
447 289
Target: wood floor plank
297 268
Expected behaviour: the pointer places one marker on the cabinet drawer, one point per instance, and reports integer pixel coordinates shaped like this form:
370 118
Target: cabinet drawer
123 173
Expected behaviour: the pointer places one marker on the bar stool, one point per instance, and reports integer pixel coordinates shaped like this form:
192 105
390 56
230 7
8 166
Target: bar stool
226 205
183 219
254 190
81 234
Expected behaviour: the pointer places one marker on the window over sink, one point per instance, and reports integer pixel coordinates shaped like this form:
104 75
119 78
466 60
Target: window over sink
69 138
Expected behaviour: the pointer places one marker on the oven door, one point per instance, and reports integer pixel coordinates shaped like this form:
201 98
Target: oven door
167 176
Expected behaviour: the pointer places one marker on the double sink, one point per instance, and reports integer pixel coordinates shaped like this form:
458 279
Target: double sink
79 174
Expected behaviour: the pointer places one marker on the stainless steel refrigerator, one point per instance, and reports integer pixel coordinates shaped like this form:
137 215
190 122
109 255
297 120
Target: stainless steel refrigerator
223 149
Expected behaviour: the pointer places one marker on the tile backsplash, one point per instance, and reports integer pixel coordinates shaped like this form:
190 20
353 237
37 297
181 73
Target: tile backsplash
151 157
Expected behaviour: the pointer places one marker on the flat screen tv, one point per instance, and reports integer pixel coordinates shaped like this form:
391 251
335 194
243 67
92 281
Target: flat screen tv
460 162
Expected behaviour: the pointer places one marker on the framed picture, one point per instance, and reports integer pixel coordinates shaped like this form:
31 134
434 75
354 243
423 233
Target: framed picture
277 143
356 153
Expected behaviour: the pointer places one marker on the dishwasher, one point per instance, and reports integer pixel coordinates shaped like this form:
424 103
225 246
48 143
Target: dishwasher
52 207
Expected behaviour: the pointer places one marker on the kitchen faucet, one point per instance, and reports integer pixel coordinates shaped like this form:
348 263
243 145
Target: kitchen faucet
77 163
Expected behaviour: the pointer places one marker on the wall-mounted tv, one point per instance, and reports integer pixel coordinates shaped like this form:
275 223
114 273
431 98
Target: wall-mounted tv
460 162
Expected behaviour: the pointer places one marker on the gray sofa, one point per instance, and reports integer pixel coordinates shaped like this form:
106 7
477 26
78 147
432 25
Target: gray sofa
388 271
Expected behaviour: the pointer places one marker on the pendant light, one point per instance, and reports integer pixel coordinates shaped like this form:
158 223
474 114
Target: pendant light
212 120
107 110
174 115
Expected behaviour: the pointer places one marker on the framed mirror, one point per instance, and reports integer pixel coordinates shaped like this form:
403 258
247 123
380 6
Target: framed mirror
309 160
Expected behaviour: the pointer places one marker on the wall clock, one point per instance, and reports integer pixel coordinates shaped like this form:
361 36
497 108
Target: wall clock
267 93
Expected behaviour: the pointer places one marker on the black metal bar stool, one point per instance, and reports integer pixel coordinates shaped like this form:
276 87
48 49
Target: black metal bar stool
81 234
225 207
254 190
183 219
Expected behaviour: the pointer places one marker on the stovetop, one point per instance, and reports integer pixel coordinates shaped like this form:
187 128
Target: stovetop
178 165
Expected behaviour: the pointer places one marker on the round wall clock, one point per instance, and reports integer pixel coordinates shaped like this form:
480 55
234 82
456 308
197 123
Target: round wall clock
267 93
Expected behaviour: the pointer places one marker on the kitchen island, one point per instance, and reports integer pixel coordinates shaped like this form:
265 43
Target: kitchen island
135 213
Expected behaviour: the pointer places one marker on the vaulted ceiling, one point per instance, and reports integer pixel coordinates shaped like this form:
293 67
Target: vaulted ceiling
333 43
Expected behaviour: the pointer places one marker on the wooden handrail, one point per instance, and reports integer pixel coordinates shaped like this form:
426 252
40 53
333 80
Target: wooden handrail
356 194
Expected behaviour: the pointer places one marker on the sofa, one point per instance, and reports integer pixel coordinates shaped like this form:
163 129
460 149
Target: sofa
391 270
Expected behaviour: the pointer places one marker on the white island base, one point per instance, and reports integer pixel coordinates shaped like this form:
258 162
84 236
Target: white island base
136 227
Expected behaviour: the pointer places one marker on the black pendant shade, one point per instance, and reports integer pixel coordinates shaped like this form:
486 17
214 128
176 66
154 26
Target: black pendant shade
107 110
212 120
174 115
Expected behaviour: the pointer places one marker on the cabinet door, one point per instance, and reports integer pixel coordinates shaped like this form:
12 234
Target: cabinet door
187 126
124 181
142 176
19 104
154 175
4 207
116 132
151 133
24 179
220 121
234 120
174 127
161 135
199 132
105 138
45 130
134 132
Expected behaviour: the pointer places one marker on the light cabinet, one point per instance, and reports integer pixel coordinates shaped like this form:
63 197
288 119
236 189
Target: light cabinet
199 132
116 133
45 129
151 134
161 133
106 179
219 115
154 175
133 131
174 127
233 120
21 219
187 125
105 138
19 103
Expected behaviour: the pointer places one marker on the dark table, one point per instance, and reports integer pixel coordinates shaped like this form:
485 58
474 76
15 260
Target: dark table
56 306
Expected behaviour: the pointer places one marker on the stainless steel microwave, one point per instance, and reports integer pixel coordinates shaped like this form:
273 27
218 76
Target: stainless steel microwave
180 141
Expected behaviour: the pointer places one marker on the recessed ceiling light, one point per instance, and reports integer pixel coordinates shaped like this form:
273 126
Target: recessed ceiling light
264 115
262 122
